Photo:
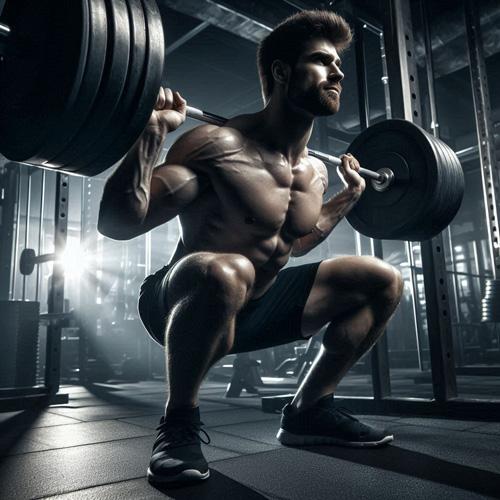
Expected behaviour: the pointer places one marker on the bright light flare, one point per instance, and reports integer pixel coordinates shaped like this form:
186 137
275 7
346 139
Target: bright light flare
75 259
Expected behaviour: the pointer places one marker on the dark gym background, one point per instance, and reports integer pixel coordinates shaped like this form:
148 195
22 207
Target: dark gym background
114 373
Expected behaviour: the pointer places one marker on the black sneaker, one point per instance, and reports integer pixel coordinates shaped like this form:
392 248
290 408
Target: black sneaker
177 455
324 423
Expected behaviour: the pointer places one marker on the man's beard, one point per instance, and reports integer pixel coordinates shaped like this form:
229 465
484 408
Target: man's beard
318 102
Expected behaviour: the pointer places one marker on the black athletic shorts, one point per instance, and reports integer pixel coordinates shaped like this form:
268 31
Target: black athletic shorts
272 319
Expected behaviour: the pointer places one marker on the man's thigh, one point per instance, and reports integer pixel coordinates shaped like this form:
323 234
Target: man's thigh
275 318
342 285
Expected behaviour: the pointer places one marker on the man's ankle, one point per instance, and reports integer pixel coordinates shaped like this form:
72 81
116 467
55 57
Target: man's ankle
177 408
299 407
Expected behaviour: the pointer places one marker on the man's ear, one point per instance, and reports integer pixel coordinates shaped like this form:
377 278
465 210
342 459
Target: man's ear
281 71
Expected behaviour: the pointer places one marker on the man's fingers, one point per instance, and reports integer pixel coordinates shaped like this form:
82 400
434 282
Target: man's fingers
180 103
169 99
160 102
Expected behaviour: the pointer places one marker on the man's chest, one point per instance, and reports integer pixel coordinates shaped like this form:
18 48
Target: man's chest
268 193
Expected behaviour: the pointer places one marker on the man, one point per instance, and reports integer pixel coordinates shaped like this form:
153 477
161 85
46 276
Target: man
248 196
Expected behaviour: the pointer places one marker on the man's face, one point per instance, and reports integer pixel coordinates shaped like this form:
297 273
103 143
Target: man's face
314 83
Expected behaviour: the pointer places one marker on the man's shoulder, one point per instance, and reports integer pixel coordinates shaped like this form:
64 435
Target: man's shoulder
321 168
205 142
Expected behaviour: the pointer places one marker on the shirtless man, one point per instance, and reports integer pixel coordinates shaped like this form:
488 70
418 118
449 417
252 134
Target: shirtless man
248 196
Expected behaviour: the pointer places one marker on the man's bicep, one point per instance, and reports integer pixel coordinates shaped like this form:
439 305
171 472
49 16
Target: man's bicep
173 188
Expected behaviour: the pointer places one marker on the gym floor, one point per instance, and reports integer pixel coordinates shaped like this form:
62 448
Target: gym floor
98 447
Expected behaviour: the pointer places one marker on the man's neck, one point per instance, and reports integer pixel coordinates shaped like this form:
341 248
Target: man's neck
285 129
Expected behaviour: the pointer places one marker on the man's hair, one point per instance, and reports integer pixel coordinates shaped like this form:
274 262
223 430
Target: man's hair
287 41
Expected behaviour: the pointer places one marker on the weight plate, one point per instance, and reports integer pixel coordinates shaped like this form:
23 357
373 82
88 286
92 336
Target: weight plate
91 161
74 116
397 212
459 182
452 186
434 220
27 261
41 73
112 84
147 94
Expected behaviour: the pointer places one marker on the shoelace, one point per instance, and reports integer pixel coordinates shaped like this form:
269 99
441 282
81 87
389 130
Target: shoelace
178 432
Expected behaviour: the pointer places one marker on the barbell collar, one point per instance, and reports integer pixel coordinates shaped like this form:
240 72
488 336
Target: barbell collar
206 117
387 178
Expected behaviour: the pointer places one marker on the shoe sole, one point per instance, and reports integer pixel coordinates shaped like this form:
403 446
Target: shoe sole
186 476
289 439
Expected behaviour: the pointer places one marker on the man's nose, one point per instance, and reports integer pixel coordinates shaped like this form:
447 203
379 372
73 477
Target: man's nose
335 74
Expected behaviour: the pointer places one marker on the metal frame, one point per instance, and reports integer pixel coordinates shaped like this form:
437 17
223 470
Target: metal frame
485 135
379 360
9 181
405 103
56 289
88 288
20 398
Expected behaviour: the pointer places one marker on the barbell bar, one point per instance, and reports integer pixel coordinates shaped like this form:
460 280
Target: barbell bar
4 30
88 115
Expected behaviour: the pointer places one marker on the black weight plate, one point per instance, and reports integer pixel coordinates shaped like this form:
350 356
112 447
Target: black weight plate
459 188
42 71
27 261
452 187
459 181
112 85
441 208
373 215
425 226
75 116
432 222
91 160
147 94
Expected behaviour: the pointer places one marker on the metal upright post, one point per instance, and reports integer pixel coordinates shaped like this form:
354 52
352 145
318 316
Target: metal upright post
40 230
381 379
485 135
434 127
10 179
405 103
56 286
88 284
27 223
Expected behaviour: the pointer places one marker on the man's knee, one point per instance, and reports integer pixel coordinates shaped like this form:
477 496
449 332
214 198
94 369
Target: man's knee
395 285
232 275
228 277
391 288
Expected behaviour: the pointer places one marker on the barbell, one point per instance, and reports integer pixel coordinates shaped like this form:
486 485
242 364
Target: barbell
79 80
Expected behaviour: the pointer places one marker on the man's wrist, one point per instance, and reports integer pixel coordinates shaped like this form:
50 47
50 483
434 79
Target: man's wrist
155 132
354 192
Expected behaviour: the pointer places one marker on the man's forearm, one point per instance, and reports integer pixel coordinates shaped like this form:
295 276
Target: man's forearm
332 212
126 193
